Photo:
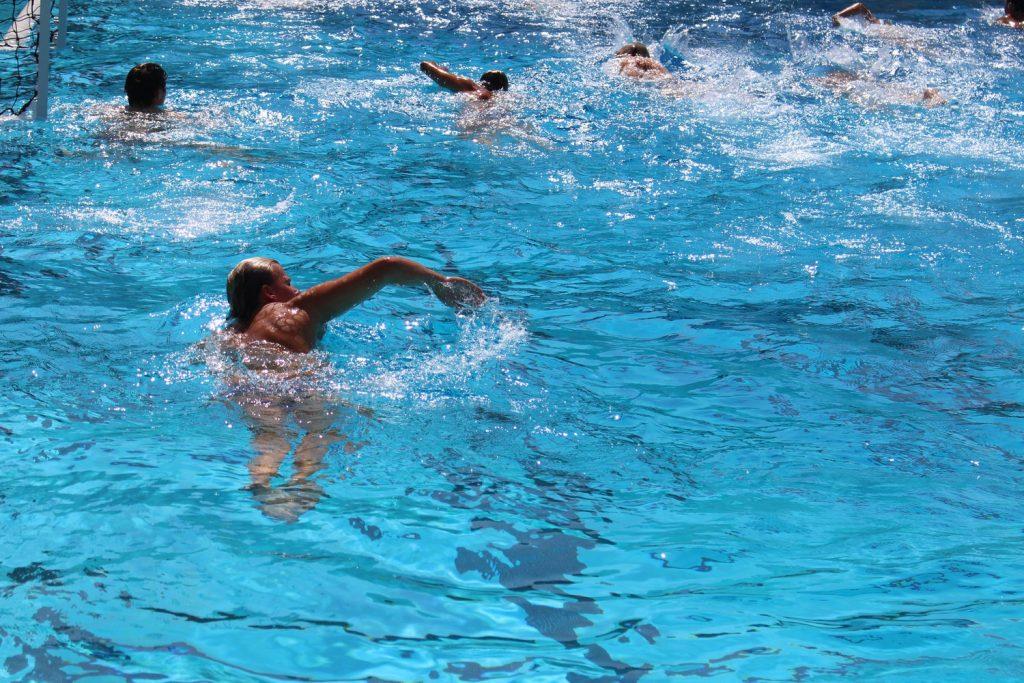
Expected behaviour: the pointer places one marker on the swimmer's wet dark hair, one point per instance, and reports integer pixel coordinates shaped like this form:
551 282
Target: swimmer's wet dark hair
495 80
244 284
1015 8
633 50
143 84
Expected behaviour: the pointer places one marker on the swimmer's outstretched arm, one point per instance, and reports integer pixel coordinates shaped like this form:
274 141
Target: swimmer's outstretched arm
334 297
854 10
446 79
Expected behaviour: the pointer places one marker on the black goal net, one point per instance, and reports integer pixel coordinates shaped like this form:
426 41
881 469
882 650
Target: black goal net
19 53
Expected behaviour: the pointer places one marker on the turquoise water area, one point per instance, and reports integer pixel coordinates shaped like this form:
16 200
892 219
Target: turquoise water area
746 403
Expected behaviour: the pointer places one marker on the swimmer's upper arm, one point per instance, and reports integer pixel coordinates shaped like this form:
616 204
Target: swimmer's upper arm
332 298
446 79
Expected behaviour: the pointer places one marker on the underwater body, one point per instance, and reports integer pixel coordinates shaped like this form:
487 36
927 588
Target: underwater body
746 400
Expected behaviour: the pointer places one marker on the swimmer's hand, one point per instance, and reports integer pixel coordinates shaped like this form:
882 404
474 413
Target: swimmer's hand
458 292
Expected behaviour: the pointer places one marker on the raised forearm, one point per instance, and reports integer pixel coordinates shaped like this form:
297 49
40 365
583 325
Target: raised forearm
854 10
332 298
452 291
445 78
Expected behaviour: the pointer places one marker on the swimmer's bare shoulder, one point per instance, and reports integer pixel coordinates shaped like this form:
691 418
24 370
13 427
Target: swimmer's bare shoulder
642 68
284 324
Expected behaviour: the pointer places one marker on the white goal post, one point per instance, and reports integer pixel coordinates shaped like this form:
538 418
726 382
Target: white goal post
28 39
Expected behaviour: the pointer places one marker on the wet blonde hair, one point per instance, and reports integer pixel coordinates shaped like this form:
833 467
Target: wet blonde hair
244 284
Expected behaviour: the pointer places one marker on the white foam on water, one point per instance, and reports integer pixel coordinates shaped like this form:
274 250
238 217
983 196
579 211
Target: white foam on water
444 374
187 217
371 371
792 149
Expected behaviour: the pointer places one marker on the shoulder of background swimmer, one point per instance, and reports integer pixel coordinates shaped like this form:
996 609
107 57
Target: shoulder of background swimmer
642 67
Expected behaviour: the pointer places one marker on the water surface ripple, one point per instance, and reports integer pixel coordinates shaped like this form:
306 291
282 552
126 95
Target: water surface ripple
747 402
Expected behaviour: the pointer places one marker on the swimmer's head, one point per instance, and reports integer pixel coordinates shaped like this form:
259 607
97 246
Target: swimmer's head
495 80
633 50
254 283
1015 9
930 97
146 86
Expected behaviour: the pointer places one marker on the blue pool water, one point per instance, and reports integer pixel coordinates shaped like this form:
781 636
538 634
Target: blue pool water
747 401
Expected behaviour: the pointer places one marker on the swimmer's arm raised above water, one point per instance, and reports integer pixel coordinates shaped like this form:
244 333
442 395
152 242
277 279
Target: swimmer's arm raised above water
446 79
854 10
334 297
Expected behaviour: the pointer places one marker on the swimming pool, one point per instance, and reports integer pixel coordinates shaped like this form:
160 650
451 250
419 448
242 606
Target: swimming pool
746 403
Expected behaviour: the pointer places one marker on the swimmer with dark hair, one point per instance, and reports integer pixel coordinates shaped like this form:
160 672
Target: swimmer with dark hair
635 61
858 9
146 87
1014 16
484 89
879 28
266 307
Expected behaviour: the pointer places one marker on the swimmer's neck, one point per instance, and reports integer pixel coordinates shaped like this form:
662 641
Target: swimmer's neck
152 109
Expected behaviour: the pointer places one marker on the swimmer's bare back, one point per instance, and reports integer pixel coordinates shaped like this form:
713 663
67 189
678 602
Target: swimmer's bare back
295 319
642 68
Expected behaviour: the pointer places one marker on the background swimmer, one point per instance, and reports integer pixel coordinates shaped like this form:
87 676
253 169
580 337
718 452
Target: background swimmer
490 83
870 93
144 120
266 307
635 61
484 122
877 28
1014 16
146 87
858 9
880 28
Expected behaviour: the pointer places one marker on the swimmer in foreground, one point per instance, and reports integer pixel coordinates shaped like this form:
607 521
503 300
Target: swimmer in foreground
484 89
146 87
635 61
266 307
1014 16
